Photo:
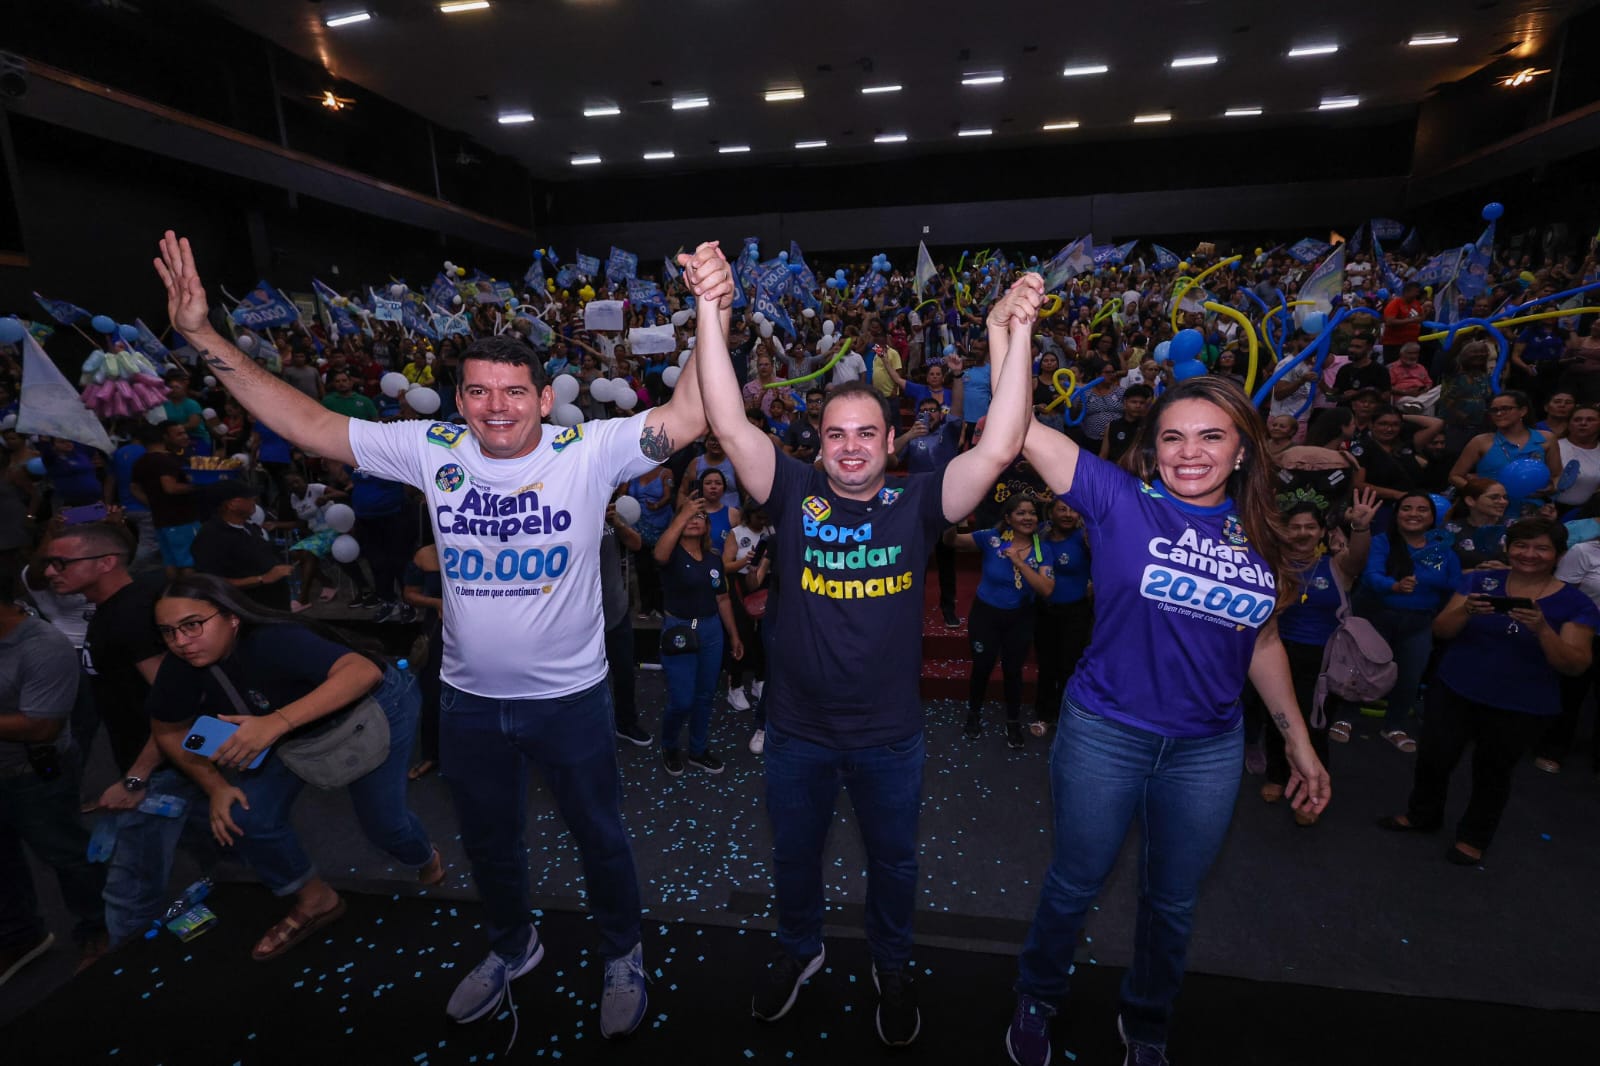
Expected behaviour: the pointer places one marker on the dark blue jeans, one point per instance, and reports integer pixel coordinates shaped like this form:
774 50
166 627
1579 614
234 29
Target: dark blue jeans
1410 638
140 868
269 843
485 746
1103 774
691 685
44 815
885 786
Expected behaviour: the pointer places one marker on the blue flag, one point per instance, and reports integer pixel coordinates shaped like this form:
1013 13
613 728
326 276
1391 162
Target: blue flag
442 293
1473 279
768 305
411 317
1354 244
588 266
1387 228
63 311
341 323
621 265
1166 258
567 276
670 271
1386 275
264 307
1071 261
533 277
804 281
385 309
1120 253
150 344
1412 242
1308 250
740 283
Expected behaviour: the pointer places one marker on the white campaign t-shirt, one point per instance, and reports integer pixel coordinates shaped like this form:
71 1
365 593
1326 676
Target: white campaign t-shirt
518 544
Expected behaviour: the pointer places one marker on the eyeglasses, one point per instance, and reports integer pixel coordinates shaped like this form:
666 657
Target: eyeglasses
189 627
61 562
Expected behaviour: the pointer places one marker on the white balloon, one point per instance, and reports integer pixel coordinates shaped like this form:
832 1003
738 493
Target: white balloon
566 414
422 400
566 388
825 345
8 422
211 382
340 516
669 377
806 312
679 317
397 291
758 318
691 341
456 300
247 342
626 399
683 359
258 516
628 509
827 326
600 390
393 383
766 329
209 414
156 415
345 549
241 458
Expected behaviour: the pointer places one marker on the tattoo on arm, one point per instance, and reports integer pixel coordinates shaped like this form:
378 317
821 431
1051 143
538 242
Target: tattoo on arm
215 360
1281 720
655 444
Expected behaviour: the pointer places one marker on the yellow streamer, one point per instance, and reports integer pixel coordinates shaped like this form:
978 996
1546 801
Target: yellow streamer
1063 394
1184 284
1053 308
1542 315
1250 335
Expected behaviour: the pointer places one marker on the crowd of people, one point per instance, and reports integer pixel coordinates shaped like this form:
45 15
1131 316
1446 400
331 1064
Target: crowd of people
766 500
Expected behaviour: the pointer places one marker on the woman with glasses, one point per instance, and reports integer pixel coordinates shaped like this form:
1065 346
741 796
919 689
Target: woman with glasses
1510 441
290 675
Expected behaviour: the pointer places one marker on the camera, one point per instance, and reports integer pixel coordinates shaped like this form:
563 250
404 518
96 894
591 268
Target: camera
194 741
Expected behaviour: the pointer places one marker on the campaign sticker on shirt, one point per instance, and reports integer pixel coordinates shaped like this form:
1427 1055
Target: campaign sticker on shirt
450 477
818 508
445 434
570 435
1489 584
887 495
1233 530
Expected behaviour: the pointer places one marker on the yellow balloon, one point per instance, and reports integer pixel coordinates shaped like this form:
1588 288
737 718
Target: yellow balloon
1184 265
550 284
1258 251
586 293
461 272
1063 392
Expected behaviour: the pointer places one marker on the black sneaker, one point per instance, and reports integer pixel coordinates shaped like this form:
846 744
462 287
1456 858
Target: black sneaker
365 601
1141 1054
1014 735
780 985
707 762
974 726
634 735
899 1020
672 761
951 619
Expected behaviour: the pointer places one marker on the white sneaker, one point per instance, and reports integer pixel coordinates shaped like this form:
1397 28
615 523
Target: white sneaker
755 689
758 741
737 699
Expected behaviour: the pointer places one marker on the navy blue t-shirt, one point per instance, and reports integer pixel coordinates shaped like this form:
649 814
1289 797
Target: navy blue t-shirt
1190 594
271 666
1316 616
1069 561
690 586
1494 662
846 606
927 454
999 583
375 497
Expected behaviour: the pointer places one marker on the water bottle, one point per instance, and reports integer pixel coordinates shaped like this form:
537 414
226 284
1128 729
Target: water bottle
294 584
103 841
192 895
165 806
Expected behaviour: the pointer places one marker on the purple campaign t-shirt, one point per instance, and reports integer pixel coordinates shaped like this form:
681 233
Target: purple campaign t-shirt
1186 595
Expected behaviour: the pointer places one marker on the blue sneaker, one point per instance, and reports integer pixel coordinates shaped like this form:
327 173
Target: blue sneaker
623 1003
1141 1054
1028 1039
482 990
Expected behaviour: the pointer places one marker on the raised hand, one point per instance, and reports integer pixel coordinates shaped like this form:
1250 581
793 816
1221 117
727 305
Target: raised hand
708 275
186 296
1026 296
954 363
1363 508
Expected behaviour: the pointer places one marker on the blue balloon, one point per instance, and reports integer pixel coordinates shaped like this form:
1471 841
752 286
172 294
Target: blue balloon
1314 324
11 330
949 349
1033 259
34 466
103 324
1492 211
1161 353
1441 505
783 257
1523 477
1383 294
129 333
1186 345
796 269
1188 368
839 273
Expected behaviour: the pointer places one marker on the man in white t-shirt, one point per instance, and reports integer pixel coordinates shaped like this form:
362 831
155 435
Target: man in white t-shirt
517 516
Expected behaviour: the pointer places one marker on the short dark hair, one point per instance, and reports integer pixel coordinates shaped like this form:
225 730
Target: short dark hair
1536 526
850 390
1134 392
101 537
504 349
1367 394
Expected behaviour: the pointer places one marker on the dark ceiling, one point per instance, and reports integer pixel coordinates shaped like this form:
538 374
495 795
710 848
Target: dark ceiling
555 58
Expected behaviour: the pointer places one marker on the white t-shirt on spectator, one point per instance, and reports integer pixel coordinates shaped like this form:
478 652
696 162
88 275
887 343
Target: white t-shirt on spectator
518 546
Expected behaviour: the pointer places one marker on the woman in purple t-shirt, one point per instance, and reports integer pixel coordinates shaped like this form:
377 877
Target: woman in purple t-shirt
1185 540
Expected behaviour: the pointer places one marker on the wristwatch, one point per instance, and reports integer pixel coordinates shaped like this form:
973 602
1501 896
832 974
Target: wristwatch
134 784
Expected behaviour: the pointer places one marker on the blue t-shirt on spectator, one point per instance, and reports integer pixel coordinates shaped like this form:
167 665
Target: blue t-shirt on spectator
1069 561
999 583
1435 565
929 453
375 497
1316 616
975 400
122 461
72 475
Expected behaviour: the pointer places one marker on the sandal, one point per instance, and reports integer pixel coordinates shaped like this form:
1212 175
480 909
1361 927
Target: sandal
1339 732
432 872
294 927
1271 793
422 769
1400 739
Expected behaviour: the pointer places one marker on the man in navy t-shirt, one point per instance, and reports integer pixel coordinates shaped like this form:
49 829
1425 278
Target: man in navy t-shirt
844 624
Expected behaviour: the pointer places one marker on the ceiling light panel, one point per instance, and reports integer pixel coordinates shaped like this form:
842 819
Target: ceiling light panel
1241 112
983 79
980 131
691 103
456 7
516 118
585 160
660 155
1084 70
1184 62
601 111
890 138
1152 117
1339 103
876 90
1425 40
778 96
733 149
810 144
1305 51
1052 126
348 19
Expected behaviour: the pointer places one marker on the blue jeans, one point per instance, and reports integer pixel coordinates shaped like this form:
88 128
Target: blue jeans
269 843
691 685
44 815
885 786
1410 637
137 876
485 746
1102 775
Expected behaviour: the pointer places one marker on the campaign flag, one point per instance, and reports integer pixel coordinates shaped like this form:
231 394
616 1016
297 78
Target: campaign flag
740 282
1120 253
567 276
533 277
926 271
445 325
63 311
588 265
1473 280
41 331
1386 275
341 323
384 309
621 265
1166 258
1324 287
1355 243
1438 270
264 307
1446 306
411 318
1072 260
49 406
1387 229
768 305
774 276
670 271
1102 253
647 294
442 293
150 344
539 333
1412 242
1308 250
802 281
